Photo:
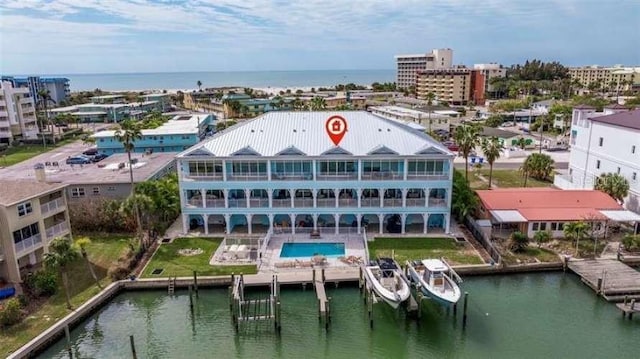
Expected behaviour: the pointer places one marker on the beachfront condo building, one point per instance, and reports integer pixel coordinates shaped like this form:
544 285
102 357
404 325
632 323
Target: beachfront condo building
604 142
17 114
457 85
490 71
177 134
283 171
32 214
58 87
409 65
616 78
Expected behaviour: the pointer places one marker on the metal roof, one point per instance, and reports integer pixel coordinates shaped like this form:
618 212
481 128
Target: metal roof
621 216
271 133
508 216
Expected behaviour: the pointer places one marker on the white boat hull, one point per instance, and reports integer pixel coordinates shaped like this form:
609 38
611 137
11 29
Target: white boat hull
445 297
393 298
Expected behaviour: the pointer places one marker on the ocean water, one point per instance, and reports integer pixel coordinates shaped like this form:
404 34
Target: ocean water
188 80
543 315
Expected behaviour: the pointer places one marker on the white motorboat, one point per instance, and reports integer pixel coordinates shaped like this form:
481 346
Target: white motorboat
435 279
387 280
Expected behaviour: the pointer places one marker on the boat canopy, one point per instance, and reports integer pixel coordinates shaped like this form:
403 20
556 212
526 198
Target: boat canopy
434 265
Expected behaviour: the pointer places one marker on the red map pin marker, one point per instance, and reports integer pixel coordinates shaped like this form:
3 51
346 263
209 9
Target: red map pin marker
336 127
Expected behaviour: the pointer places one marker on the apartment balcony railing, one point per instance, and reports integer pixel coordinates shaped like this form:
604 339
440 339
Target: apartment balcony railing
339 176
215 203
213 177
433 177
194 202
247 177
347 202
238 203
56 230
28 243
326 202
51 205
370 202
303 202
392 202
258 202
384 175
437 202
281 203
291 176
416 202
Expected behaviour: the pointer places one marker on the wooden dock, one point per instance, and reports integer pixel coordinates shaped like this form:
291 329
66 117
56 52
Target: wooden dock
608 277
628 308
349 275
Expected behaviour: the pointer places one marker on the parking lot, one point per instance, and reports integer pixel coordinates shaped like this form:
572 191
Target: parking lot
57 155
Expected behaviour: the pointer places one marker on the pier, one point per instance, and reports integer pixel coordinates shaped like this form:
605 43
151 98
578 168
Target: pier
610 278
245 310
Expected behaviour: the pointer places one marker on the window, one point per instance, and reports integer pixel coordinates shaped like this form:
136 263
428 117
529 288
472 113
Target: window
543 226
77 192
598 164
554 226
600 141
24 209
633 149
560 226
111 188
618 170
634 176
535 226
25 233
95 191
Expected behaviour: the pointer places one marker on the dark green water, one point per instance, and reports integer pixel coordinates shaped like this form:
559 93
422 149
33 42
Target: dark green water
517 316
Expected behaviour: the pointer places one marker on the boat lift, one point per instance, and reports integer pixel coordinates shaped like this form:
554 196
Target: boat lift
252 310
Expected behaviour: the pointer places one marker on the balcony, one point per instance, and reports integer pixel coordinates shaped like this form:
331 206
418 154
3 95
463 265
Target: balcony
416 202
303 202
392 202
370 202
432 177
326 202
347 202
51 205
258 202
337 176
28 243
382 176
281 202
57 230
291 176
247 177
238 203
211 177
437 202
215 202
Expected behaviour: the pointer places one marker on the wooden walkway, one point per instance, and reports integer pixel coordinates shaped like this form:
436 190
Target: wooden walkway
609 277
302 277
629 308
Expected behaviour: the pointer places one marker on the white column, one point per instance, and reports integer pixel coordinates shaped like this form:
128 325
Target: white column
380 219
292 194
292 217
426 200
249 217
403 219
270 221
425 218
359 222
314 193
336 218
405 170
381 196
185 224
313 169
404 197
269 170
336 192
359 194
224 171
247 197
203 194
205 217
446 222
270 196
227 220
359 170
226 198
315 222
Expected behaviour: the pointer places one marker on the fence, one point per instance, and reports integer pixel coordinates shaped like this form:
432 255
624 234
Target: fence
480 236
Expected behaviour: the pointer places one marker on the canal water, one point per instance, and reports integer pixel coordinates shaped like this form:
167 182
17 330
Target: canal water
515 316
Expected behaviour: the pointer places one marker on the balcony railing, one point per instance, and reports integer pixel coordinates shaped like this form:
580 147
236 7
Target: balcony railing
370 202
247 177
216 177
437 202
57 230
326 202
215 202
238 203
392 202
258 202
282 202
339 176
291 176
28 243
416 202
433 176
194 202
383 175
303 202
51 205
347 202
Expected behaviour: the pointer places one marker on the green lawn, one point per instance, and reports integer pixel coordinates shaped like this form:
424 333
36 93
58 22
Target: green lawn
174 264
507 179
103 250
530 255
421 248
18 154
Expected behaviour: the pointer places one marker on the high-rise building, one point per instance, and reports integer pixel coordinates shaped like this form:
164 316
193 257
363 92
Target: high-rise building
58 87
17 114
616 78
409 65
456 85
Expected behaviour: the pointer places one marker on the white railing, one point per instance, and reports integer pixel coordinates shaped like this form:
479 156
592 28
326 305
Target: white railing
439 176
52 205
56 230
279 176
437 202
336 176
204 177
326 202
347 202
238 203
392 202
282 202
384 175
303 202
194 202
416 202
258 202
247 177
28 243
215 202
370 202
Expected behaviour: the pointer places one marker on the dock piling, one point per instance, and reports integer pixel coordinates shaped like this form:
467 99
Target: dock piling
464 310
191 297
195 282
68 336
133 347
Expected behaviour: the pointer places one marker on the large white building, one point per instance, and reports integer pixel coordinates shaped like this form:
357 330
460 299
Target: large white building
409 65
604 142
282 171
17 114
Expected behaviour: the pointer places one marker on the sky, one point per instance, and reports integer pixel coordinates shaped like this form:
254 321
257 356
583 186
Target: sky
122 36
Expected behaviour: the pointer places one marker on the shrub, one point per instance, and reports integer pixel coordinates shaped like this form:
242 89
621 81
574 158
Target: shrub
42 283
631 242
542 237
518 242
118 272
11 313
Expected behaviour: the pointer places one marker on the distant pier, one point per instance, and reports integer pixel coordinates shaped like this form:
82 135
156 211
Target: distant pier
610 278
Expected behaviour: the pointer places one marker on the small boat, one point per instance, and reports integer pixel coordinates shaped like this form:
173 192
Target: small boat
434 279
388 281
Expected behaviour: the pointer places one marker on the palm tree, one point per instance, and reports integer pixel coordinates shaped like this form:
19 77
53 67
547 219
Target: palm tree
463 198
491 148
43 100
199 83
430 98
127 134
82 243
614 185
575 231
467 137
318 103
538 166
61 254
298 104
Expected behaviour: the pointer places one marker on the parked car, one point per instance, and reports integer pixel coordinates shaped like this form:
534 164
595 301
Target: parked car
78 160
91 152
99 157
453 147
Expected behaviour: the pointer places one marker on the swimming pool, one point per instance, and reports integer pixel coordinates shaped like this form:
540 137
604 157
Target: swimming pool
311 249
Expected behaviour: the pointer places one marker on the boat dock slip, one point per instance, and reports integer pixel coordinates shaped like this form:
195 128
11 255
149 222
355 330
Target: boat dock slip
628 307
609 277
318 281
